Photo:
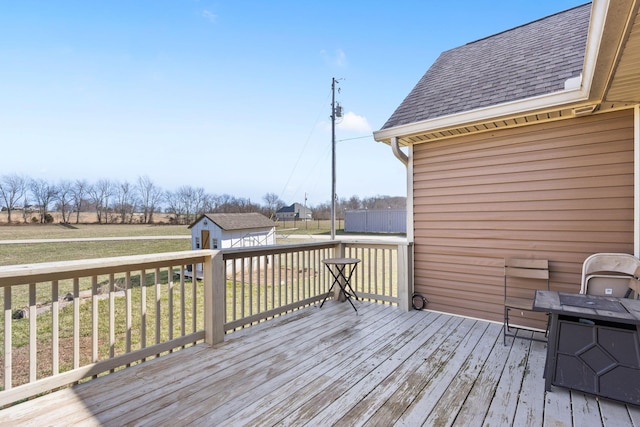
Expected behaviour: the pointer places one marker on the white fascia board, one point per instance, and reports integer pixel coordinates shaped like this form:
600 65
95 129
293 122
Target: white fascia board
550 101
543 102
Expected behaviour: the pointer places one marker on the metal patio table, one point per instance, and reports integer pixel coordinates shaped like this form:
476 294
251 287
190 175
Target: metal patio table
337 268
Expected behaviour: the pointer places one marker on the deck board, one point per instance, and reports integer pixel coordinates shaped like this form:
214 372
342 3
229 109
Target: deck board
331 366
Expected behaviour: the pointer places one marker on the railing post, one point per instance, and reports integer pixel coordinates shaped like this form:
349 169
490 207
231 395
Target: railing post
214 298
405 275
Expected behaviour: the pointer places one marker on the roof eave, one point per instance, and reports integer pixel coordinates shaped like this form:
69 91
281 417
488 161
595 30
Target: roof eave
479 116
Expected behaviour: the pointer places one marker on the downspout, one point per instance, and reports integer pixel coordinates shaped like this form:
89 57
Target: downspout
636 181
395 147
406 160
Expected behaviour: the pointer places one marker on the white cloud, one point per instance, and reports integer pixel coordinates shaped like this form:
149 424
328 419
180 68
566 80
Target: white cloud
210 16
338 59
355 123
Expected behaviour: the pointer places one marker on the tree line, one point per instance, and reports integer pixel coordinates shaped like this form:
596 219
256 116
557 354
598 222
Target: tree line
125 202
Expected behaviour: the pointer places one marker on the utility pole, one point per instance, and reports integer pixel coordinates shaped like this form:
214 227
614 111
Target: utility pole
336 111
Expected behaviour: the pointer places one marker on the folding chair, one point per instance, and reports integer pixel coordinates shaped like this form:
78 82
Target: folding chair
609 274
521 278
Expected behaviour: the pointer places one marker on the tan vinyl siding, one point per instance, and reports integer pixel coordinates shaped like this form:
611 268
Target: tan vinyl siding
558 191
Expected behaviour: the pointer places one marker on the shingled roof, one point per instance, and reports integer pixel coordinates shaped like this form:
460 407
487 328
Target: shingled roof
238 221
530 60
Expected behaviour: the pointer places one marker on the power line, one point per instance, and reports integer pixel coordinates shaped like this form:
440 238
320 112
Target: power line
357 137
304 147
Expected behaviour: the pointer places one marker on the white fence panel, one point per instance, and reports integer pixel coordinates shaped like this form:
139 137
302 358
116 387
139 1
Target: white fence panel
376 221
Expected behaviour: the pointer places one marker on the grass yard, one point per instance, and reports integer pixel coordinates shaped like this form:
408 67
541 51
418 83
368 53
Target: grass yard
57 231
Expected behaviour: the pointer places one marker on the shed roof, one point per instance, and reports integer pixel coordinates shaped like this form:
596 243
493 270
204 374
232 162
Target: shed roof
530 60
237 221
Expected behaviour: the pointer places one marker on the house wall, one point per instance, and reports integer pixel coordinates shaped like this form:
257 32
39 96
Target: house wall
558 191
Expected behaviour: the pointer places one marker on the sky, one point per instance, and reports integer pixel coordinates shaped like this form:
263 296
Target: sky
232 96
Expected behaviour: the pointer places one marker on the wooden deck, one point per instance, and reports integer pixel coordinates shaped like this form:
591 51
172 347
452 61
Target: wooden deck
330 366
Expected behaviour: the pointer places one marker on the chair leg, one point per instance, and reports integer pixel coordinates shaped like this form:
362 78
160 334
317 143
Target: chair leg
506 326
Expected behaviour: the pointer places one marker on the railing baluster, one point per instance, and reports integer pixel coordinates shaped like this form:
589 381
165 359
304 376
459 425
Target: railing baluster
384 269
262 272
76 323
156 278
55 327
251 290
8 333
128 317
272 266
112 316
183 310
170 301
305 272
234 284
194 296
94 319
33 333
243 298
297 270
279 256
143 308
287 281
376 269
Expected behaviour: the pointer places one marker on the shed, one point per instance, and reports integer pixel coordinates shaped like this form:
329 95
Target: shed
232 230
525 143
295 212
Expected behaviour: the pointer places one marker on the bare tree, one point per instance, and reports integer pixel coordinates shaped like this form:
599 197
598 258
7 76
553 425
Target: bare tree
174 206
150 197
78 192
43 193
12 189
352 203
200 203
125 201
65 199
100 193
192 200
273 203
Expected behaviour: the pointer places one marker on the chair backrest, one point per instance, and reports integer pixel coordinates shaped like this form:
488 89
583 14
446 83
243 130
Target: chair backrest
608 274
526 269
634 288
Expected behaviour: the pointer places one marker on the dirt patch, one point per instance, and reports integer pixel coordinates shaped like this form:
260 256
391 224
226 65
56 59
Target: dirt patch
20 359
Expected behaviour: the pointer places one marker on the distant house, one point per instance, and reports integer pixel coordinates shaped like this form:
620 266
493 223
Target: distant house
294 212
525 143
232 230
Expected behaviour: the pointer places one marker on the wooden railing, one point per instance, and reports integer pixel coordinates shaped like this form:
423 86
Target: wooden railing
266 282
85 318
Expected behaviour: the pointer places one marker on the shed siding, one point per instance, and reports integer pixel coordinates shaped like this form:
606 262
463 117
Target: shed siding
558 191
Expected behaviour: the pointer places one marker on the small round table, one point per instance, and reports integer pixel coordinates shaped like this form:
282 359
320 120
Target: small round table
342 279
